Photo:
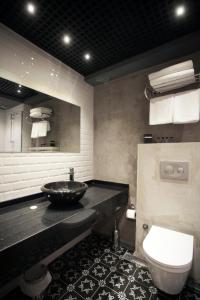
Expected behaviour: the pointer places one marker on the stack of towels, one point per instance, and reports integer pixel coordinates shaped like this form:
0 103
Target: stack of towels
40 112
173 77
177 108
40 129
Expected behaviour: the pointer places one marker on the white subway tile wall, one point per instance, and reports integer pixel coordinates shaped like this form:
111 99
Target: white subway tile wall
23 174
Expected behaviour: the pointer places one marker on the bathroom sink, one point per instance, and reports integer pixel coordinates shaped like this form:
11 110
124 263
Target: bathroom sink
64 192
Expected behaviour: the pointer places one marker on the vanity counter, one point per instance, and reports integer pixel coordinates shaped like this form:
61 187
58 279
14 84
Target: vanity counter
23 220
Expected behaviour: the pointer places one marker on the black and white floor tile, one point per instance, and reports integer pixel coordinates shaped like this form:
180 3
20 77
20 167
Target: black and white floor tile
93 271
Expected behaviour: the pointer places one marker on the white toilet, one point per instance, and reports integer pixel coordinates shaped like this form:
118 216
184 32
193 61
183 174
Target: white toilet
169 256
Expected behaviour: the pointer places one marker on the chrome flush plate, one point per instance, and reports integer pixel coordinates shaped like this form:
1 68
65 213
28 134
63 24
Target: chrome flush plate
174 170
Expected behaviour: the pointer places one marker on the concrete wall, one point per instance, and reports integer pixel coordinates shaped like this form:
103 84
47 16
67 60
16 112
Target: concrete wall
120 121
121 116
171 204
22 62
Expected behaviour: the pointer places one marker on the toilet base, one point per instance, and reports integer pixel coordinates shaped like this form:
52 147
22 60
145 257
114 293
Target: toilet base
169 282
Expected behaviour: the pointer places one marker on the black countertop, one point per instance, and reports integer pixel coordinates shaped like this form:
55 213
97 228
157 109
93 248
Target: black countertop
20 221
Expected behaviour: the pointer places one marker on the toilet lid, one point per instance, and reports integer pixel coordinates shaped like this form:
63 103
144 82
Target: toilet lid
169 247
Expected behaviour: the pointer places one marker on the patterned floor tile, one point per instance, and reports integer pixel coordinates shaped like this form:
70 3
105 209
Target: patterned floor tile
120 251
143 277
159 295
98 242
57 264
126 267
116 281
86 286
110 259
85 262
105 293
93 271
99 271
104 243
96 252
55 290
70 274
193 285
137 292
190 294
71 255
71 296
83 245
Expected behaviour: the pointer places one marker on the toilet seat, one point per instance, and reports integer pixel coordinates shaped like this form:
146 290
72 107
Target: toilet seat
167 268
169 249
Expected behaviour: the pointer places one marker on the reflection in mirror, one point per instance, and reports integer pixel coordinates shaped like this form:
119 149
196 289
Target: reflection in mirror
34 122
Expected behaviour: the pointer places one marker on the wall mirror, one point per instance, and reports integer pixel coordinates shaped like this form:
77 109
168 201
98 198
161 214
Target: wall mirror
34 122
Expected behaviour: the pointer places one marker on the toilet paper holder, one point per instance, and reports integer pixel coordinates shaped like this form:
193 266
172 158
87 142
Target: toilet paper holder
131 214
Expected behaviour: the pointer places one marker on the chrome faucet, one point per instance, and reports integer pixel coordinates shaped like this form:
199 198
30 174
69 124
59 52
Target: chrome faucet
71 174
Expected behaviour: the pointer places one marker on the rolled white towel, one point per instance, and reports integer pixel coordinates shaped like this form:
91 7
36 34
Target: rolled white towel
173 77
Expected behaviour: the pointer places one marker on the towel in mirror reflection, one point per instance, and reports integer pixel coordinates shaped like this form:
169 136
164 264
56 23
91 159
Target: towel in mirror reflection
40 129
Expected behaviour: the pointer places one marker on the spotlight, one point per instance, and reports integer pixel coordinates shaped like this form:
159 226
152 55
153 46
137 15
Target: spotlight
180 11
66 39
87 56
31 8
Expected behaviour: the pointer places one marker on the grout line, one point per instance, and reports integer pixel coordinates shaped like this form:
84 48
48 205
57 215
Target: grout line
130 281
78 294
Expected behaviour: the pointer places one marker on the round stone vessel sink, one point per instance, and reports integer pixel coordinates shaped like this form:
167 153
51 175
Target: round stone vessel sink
64 192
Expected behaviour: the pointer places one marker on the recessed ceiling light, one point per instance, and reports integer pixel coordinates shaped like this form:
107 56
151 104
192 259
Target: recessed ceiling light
180 10
30 8
66 39
87 56
19 86
19 91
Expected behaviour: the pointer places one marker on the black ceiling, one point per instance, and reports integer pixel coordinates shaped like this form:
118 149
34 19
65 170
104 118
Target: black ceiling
10 88
111 30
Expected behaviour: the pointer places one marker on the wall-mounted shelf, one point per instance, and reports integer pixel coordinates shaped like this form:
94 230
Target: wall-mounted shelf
150 92
44 149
